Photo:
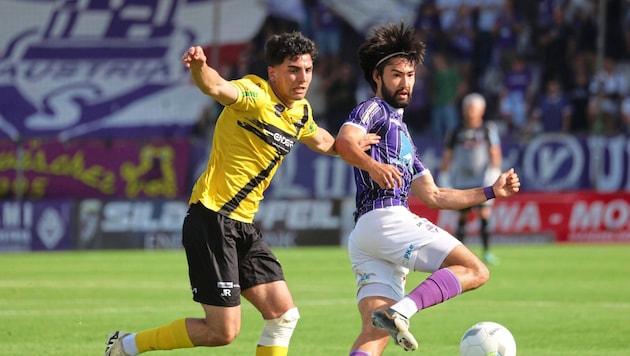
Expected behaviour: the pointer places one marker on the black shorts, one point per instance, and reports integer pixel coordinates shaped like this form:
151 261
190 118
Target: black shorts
225 256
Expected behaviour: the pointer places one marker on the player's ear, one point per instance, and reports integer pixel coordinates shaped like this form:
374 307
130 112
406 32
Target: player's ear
271 73
375 76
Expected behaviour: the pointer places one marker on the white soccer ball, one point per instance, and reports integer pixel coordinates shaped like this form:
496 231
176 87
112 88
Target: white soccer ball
487 338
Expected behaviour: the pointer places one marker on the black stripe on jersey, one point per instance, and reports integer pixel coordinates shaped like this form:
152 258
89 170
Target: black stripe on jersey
231 205
283 143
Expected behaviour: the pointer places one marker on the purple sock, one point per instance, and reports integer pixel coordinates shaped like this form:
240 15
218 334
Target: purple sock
359 353
438 287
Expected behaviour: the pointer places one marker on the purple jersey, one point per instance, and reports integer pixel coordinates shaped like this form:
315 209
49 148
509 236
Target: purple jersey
395 148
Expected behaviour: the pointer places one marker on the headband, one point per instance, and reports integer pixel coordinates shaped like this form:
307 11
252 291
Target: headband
390 56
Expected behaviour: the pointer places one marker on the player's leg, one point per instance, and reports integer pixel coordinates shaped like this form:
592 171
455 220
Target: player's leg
264 285
462 219
484 217
371 341
455 269
378 260
214 282
276 306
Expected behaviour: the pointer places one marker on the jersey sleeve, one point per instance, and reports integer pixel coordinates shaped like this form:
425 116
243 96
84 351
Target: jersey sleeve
310 126
250 94
366 115
419 168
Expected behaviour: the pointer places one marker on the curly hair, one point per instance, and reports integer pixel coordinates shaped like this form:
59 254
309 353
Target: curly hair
279 47
387 42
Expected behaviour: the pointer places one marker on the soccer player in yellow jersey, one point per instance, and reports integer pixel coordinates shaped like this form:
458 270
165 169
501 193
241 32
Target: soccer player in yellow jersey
227 256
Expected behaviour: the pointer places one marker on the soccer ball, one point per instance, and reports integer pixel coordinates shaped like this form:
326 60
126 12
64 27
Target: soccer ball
487 338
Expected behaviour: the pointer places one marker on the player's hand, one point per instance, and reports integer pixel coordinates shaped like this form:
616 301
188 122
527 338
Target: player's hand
507 184
194 56
368 140
386 176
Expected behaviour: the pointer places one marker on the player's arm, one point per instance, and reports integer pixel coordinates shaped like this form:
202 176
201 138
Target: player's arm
444 178
495 155
447 157
349 149
323 142
424 187
207 79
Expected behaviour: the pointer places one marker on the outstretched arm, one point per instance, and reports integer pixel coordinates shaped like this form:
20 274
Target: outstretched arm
506 185
207 79
324 142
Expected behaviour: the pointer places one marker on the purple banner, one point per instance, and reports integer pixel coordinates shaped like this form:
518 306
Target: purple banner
35 226
73 69
94 168
548 162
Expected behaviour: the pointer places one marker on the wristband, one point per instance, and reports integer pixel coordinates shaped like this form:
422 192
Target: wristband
489 192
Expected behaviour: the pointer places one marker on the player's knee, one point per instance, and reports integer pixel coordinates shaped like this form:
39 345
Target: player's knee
278 332
221 336
482 274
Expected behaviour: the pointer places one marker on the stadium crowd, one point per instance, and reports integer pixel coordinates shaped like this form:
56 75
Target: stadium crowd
535 62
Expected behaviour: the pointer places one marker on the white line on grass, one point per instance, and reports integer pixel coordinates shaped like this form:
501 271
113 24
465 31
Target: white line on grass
186 307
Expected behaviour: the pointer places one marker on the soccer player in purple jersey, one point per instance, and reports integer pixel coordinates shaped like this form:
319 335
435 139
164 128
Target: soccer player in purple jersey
388 240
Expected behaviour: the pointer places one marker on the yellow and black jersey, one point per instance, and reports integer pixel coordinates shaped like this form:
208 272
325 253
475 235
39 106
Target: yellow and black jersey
251 138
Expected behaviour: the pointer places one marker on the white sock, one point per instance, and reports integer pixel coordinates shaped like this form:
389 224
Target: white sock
129 344
406 307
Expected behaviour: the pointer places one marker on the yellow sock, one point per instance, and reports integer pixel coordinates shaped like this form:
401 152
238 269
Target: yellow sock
167 337
271 351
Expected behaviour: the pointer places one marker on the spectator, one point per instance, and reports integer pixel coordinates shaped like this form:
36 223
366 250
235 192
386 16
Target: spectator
447 10
446 88
579 97
625 114
327 31
488 15
552 111
462 41
340 88
418 109
516 95
546 9
557 44
510 32
428 28
607 88
584 24
316 94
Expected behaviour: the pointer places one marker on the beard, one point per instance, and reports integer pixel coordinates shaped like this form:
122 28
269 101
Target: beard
390 97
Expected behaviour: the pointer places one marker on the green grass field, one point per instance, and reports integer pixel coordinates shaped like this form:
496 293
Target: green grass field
556 299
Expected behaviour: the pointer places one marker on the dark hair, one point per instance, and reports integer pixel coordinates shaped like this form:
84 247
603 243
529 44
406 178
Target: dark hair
279 47
385 43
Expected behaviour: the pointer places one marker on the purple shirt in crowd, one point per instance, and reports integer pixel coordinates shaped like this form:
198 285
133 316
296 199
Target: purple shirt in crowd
395 148
517 81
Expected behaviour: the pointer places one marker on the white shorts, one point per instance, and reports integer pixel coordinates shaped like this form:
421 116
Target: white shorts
386 243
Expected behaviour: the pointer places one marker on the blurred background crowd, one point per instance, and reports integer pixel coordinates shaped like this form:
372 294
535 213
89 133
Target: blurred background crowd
543 66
